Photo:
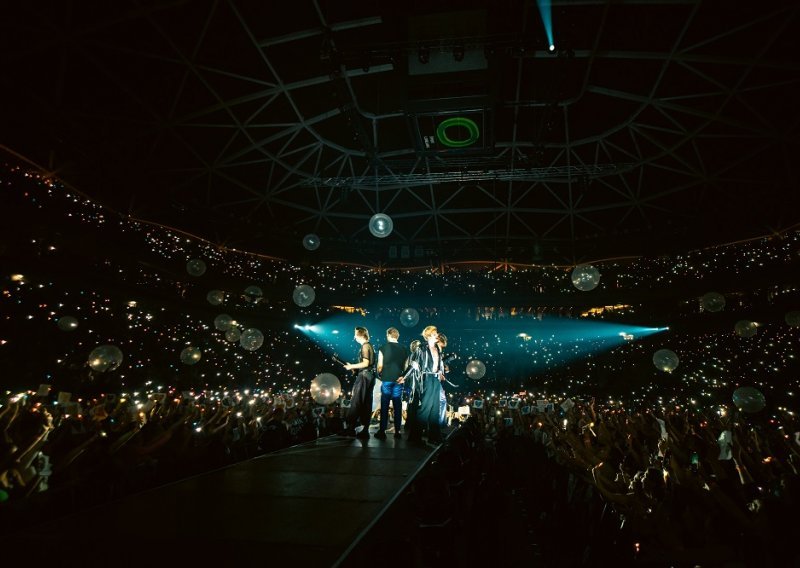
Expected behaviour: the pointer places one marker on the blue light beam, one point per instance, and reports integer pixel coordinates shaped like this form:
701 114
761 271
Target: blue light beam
546 12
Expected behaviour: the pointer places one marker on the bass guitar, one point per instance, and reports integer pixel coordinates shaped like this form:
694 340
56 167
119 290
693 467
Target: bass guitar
449 359
337 359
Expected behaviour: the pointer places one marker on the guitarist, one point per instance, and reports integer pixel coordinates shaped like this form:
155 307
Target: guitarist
428 366
361 405
442 343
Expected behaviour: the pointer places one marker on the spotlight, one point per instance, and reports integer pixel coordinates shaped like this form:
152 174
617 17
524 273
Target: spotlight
552 48
424 55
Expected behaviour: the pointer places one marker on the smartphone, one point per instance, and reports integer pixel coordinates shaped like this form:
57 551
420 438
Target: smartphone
695 461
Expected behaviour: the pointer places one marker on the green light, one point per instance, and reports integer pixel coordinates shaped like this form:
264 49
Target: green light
472 129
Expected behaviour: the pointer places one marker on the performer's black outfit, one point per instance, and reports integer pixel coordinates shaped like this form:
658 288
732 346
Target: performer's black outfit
361 403
425 394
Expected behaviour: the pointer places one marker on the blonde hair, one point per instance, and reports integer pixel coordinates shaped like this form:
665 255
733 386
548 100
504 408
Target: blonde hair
415 345
428 331
362 332
442 340
393 333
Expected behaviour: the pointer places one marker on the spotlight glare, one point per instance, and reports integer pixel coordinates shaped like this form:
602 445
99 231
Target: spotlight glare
552 47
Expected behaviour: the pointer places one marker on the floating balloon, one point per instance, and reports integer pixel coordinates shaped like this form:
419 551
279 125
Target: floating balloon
665 360
409 317
196 267
223 322
749 399
585 277
325 388
476 369
712 302
215 297
251 339
380 225
253 294
793 318
311 241
67 323
191 355
233 334
303 295
105 358
745 328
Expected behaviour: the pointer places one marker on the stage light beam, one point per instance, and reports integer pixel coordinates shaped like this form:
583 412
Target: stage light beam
546 12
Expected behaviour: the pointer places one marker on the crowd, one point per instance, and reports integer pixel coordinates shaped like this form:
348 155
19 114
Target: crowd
584 483
659 462
61 454
683 485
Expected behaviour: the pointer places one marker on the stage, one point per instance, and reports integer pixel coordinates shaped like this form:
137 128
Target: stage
308 505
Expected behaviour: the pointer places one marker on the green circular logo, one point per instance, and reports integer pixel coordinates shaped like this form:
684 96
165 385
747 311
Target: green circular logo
473 132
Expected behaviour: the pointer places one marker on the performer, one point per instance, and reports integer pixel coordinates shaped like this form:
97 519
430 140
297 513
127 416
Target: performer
411 390
392 359
442 343
427 370
361 403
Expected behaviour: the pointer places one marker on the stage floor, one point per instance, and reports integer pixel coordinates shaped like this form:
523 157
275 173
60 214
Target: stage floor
307 505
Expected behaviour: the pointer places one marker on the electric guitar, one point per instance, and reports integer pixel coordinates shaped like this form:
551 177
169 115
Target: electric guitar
449 359
338 360
445 360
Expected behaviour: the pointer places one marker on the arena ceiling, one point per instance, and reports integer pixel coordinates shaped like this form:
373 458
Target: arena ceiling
652 127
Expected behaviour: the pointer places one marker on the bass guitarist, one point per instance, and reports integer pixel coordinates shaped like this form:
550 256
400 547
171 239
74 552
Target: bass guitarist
361 404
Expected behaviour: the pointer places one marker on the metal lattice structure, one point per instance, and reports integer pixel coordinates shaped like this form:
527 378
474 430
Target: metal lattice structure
655 126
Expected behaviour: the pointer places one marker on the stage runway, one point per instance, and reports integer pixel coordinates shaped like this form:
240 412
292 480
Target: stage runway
308 505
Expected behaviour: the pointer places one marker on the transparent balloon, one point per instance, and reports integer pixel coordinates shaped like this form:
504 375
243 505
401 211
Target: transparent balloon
409 317
105 358
196 267
233 334
665 360
749 399
585 277
476 369
303 295
67 323
745 328
215 297
253 294
712 302
311 242
223 322
325 388
251 339
793 318
191 355
381 225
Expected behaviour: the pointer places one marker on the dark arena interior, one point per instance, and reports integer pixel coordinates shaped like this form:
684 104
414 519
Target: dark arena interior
348 283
